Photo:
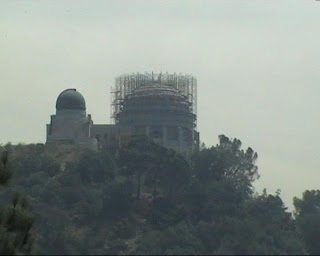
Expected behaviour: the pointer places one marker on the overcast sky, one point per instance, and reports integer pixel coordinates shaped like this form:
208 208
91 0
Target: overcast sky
257 65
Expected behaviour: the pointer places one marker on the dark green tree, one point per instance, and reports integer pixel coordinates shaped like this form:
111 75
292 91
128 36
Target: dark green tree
84 203
92 167
136 160
15 220
117 199
176 174
308 219
259 226
227 161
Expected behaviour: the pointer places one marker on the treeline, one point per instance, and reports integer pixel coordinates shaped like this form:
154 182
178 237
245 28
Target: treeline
146 199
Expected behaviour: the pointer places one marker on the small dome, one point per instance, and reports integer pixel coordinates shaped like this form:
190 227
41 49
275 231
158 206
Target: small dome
70 99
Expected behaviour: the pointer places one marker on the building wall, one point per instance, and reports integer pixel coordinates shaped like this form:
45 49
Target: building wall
182 140
72 126
106 135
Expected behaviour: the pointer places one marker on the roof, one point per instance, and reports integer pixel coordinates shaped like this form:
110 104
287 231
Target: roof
70 99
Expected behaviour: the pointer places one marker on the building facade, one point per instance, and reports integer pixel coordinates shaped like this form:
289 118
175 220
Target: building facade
159 106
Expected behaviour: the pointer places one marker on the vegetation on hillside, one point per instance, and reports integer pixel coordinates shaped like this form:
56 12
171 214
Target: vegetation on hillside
146 199
15 219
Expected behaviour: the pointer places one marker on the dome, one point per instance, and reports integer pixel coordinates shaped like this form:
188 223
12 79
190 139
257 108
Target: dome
155 89
155 97
70 99
155 104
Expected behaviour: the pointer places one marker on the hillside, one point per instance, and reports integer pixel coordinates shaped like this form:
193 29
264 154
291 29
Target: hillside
145 199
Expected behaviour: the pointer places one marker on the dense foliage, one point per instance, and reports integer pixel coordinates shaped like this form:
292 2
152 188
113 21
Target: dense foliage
146 199
15 219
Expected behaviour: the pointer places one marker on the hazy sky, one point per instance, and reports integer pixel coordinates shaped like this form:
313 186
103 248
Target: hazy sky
257 65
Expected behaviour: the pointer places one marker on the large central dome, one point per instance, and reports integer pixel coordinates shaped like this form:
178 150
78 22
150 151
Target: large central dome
70 99
155 104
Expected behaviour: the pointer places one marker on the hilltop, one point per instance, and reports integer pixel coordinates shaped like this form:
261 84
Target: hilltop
146 199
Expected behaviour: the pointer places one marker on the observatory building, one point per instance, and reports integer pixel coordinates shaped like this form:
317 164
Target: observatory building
70 124
159 106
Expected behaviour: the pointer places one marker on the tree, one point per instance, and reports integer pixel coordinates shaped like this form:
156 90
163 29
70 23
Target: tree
117 199
309 204
93 168
227 161
180 239
207 209
176 174
5 171
136 159
259 225
16 220
158 166
307 211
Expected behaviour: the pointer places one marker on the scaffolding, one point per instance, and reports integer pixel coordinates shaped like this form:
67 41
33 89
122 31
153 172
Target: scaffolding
125 86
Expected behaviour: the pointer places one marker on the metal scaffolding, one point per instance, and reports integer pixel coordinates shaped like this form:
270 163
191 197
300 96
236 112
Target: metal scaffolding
125 85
